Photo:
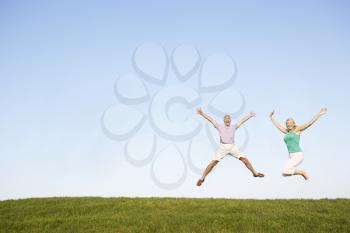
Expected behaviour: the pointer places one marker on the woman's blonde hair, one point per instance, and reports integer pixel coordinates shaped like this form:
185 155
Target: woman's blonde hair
291 119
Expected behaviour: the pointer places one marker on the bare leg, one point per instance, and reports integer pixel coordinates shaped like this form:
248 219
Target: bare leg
206 171
250 167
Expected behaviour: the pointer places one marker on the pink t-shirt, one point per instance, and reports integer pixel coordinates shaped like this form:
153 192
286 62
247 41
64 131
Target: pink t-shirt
227 133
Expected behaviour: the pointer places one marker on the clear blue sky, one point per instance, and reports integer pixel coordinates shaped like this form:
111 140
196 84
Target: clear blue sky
59 61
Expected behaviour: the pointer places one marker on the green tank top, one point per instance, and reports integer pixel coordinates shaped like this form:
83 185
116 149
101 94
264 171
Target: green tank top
292 141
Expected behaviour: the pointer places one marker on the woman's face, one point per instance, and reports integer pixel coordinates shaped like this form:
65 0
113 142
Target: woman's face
290 124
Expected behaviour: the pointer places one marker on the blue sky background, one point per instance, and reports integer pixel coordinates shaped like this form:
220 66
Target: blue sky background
59 61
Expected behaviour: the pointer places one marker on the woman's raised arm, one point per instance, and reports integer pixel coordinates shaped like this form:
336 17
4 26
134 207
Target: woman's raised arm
278 126
312 121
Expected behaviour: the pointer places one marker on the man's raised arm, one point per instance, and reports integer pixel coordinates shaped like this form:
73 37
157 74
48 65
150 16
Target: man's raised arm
211 120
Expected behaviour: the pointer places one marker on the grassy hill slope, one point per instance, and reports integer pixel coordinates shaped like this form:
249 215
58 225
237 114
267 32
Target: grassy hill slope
93 214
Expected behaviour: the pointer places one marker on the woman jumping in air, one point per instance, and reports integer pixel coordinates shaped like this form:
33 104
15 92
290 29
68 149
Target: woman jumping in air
292 138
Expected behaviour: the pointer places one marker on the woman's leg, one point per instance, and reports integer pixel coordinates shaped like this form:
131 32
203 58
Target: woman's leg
302 173
290 168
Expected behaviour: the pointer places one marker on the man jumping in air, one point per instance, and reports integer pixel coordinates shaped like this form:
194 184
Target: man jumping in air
227 144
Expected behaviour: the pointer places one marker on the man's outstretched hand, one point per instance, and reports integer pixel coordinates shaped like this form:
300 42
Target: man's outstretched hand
252 114
199 111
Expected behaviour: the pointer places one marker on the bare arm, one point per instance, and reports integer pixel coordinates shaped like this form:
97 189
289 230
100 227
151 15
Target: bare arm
312 121
278 126
200 112
244 119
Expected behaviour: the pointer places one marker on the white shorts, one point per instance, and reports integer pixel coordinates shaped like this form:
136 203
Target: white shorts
294 160
228 149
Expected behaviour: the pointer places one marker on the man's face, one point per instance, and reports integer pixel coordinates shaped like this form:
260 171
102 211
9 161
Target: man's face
227 120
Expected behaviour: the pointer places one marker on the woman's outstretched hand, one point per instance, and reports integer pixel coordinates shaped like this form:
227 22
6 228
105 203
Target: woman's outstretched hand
323 111
271 113
252 114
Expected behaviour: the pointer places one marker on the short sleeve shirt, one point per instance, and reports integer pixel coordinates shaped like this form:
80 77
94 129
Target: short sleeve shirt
226 133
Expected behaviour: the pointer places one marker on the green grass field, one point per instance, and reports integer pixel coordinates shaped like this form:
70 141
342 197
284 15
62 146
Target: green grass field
92 214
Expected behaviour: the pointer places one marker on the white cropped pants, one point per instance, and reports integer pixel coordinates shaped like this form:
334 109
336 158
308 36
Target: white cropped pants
294 160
